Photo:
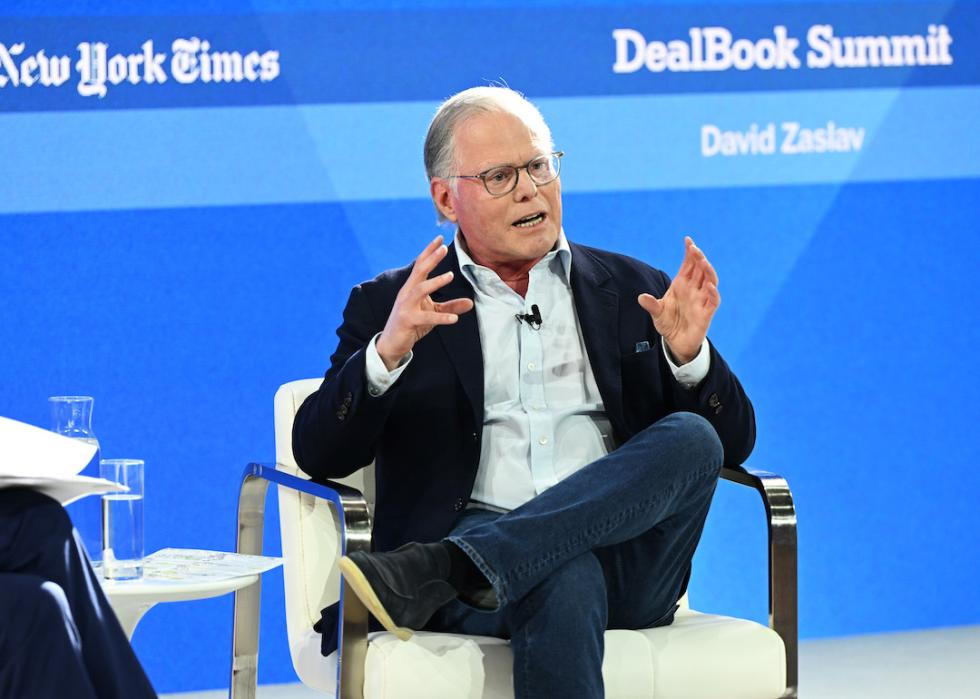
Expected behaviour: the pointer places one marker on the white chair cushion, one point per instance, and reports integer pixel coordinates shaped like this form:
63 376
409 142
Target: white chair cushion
747 663
428 666
445 666
705 656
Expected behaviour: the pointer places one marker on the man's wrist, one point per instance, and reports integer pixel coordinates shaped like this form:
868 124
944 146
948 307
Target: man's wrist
682 358
693 372
391 361
379 376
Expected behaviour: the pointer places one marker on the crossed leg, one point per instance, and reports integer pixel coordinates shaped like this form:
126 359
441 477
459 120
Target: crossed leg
608 547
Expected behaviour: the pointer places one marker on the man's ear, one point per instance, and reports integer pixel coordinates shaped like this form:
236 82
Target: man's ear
442 197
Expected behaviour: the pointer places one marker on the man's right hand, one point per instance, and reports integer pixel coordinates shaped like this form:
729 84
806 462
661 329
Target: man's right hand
415 313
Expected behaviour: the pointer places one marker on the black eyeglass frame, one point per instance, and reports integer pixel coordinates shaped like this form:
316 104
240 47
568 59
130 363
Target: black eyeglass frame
557 155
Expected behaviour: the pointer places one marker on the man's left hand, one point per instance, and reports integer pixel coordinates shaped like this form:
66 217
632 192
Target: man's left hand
684 313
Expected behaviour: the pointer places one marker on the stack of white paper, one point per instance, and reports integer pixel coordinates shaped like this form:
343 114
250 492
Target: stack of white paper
197 565
50 463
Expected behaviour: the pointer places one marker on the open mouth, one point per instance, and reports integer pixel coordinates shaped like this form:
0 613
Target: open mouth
529 221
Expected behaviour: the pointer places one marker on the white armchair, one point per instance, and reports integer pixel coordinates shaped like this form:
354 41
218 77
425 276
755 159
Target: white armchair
699 656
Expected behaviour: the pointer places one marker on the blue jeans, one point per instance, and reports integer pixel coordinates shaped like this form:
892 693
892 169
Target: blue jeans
608 547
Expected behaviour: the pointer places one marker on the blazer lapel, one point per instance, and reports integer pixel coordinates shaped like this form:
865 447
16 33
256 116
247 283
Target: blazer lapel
462 339
597 304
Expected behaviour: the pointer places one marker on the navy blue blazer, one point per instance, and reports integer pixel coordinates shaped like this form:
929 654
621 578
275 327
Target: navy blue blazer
424 432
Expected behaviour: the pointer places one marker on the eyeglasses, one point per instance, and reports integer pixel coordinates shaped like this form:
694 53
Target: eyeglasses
503 179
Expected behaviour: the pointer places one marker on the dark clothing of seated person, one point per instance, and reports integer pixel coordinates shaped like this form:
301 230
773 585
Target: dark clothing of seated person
58 635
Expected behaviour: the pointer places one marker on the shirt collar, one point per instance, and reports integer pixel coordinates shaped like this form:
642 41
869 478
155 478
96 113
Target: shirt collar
467 266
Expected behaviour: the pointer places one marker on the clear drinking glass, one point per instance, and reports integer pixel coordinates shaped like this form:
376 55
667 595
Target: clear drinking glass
122 521
71 416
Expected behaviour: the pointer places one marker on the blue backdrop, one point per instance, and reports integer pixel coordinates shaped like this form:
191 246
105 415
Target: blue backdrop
183 244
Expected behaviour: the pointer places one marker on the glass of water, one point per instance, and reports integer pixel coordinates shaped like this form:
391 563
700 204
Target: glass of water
122 520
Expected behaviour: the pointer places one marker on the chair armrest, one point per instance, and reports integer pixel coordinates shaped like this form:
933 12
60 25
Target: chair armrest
781 517
354 526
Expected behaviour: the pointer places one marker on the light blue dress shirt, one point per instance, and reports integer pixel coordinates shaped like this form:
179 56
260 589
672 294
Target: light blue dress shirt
543 414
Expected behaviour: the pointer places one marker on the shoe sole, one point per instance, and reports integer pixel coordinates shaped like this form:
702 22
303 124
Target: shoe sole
362 588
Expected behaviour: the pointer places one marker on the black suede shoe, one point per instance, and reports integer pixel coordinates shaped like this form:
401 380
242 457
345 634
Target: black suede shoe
402 589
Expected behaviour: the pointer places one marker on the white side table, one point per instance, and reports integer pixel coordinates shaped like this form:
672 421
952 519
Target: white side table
131 599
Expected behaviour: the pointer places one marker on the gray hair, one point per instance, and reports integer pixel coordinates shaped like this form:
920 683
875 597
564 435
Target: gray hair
439 151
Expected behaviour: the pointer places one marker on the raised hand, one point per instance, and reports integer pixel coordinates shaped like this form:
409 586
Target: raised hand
415 313
684 313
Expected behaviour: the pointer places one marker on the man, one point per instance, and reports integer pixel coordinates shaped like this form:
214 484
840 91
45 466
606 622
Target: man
58 635
548 460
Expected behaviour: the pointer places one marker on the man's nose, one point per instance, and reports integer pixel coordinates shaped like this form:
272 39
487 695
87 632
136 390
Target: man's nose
525 189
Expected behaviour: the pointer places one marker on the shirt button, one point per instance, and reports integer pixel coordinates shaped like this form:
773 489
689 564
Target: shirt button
542 441
531 366
459 504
